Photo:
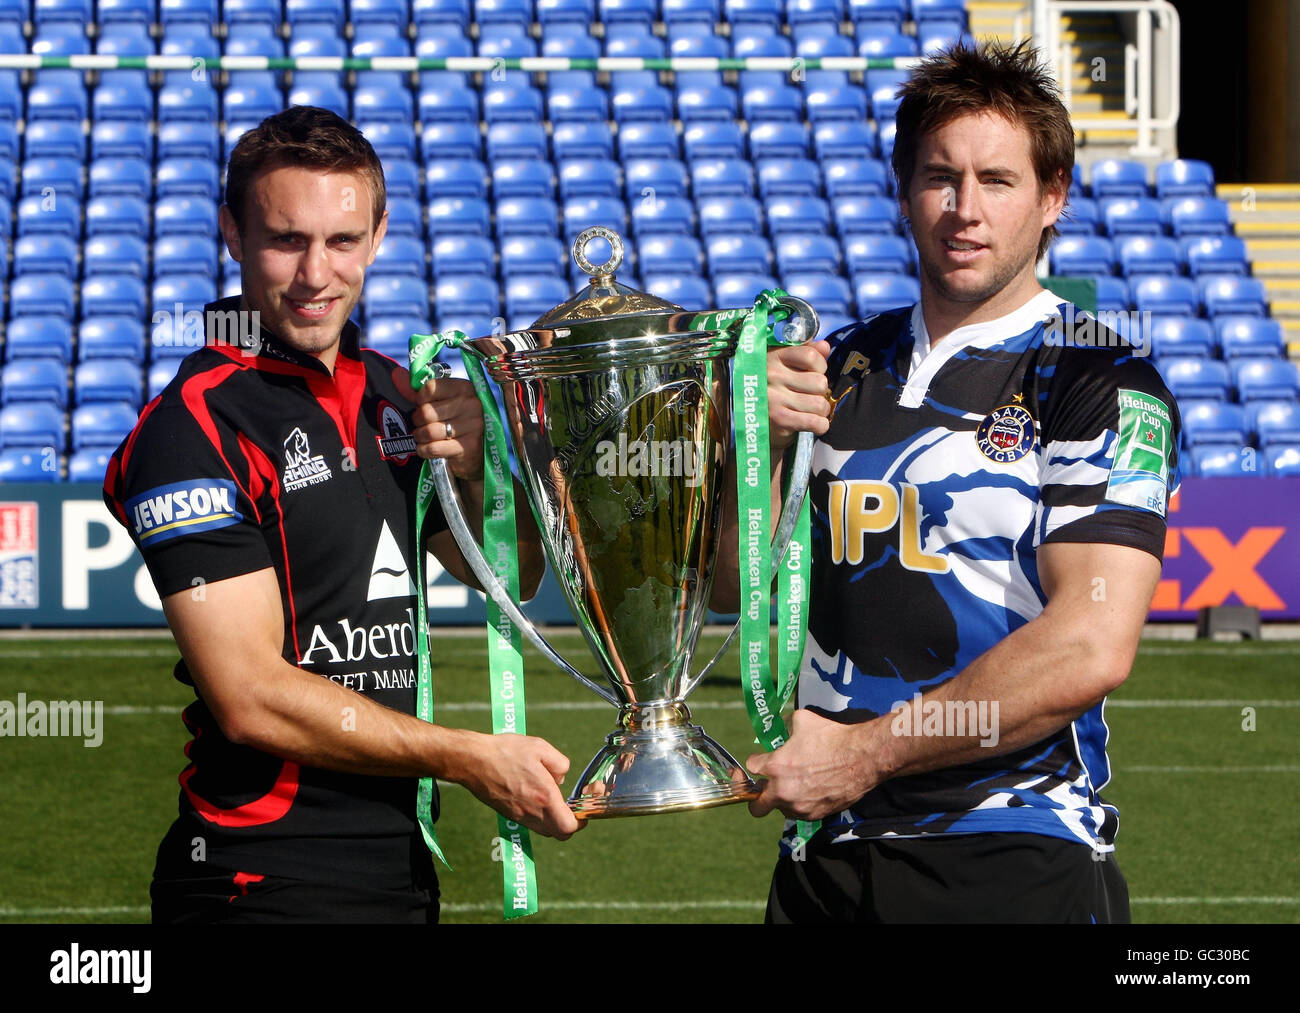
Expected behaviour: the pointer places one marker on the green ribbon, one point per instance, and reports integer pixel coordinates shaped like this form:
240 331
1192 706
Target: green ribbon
505 642
764 696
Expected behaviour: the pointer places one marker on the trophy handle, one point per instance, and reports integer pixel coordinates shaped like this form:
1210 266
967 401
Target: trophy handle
800 477
454 511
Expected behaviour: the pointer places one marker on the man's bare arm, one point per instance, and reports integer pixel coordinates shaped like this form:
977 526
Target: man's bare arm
1043 676
231 642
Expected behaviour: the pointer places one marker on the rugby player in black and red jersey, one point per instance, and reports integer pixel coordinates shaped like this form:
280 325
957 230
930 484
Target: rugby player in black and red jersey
270 488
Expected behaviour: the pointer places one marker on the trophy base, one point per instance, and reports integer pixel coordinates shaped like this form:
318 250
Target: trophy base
658 762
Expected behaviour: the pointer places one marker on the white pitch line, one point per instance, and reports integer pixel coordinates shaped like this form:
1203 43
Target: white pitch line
1215 900
1224 649
1278 769
1202 703
47 912
621 905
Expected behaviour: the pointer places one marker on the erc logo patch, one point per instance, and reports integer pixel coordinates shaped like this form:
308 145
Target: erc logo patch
1006 434
395 441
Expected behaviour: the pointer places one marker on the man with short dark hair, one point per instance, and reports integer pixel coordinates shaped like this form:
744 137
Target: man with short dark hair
989 505
270 488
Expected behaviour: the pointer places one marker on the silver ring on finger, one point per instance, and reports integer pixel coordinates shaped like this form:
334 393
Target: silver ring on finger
451 433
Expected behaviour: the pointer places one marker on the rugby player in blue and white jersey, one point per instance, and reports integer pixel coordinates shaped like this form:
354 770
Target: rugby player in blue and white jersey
989 501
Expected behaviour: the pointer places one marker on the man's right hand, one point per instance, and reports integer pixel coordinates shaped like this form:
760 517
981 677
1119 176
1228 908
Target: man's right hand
796 392
520 776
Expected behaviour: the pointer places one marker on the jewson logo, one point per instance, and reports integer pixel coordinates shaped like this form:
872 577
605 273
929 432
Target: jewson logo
954 718
651 459
63 719
1104 329
198 504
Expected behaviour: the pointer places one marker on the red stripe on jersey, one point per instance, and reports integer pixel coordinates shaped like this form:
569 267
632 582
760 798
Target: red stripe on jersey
193 393
272 806
117 464
242 879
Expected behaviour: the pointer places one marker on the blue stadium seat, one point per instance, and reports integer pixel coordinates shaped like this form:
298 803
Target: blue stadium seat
1210 422
99 380
1189 379
730 215
402 255
1148 255
740 289
844 139
688 291
458 215
587 140
816 45
814 12
42 295
516 140
869 253
184 214
600 177
722 177
192 102
506 42
66 12
60 38
392 335
637 103
402 178
324 12
659 215
1265 379
120 215
434 43
651 178
1124 216
38 338
34 424
60 175
466 295
54 139
1114 177
42 215
1169 295
670 254
649 140
161 373
940 10
1196 216
9 143
108 337
11 95
865 214
1275 423
1223 461
1250 336
1174 336
879 45
441 12
405 217
855 177
771 102
711 140
584 212
532 255
789 177
251 12
102 424
716 102
44 380
1283 461
1232 295
198 12
566 12
826 293
321 95
738 253
527 216
29 465
528 296
123 100
451 140
121 139
771 139
1184 178
180 293
1112 294
394 140
477 325
634 12
798 215
836 102
115 13
1214 255
1081 217
887 15
1082 255
512 104
370 15
89 465
456 177
577 103
454 254
250 102
45 254
797 254
395 295
122 177
523 179
878 292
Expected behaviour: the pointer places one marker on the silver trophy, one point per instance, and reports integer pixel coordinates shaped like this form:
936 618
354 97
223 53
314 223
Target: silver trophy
619 410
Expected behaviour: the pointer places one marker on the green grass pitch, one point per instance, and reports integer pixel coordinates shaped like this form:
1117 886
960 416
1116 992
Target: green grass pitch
1206 791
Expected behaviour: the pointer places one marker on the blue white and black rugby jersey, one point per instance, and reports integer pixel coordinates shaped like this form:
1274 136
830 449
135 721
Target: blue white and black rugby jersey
942 473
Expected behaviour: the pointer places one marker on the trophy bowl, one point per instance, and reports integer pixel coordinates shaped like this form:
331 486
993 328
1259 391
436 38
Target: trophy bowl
619 411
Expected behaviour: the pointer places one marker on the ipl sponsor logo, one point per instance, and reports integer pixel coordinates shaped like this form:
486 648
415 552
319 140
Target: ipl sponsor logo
950 718
301 467
199 504
651 459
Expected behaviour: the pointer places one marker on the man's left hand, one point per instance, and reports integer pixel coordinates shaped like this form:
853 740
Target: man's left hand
448 423
821 769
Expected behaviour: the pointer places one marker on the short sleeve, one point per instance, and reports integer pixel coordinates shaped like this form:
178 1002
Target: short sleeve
184 498
1110 438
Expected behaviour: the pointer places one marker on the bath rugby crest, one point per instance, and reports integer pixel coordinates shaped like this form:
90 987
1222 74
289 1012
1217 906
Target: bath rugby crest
944 471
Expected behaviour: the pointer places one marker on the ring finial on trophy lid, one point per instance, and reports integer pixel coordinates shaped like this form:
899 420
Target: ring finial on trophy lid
599 273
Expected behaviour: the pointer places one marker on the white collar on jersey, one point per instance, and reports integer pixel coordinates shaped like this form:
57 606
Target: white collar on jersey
927 362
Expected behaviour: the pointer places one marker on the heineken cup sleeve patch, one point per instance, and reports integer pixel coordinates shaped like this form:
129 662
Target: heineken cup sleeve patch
1140 475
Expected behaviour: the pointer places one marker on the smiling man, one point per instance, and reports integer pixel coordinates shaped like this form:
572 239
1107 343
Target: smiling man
984 551
270 488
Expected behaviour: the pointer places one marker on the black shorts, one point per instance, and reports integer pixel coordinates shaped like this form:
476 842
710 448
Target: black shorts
953 878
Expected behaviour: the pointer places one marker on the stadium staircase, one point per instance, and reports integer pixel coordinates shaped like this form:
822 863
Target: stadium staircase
1267 217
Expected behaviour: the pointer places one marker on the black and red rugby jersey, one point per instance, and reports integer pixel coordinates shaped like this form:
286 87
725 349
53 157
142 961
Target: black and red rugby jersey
255 456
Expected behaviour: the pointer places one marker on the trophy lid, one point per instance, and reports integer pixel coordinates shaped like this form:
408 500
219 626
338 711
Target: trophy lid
604 296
